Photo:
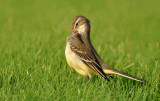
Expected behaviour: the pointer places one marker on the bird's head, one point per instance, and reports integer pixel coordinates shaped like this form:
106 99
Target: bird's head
81 25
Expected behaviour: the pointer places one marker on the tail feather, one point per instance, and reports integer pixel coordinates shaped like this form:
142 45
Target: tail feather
130 77
114 71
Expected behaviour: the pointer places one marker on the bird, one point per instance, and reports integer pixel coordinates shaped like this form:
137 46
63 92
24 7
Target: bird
81 55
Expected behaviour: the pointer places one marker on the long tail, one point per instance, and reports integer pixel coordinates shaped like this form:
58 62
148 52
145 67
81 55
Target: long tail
114 71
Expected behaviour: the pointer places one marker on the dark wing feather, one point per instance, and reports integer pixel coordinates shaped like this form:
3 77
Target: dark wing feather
86 54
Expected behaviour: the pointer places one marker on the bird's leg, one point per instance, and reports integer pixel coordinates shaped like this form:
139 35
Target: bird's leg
88 80
89 77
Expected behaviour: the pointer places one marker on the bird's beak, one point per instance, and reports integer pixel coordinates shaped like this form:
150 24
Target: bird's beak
72 32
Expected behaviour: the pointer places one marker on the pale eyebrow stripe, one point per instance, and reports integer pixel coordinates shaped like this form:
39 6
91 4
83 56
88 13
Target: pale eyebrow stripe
77 21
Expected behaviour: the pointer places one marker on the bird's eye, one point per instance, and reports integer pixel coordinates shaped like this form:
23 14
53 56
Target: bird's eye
76 24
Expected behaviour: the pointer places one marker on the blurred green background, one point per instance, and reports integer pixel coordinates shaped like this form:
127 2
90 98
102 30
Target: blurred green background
33 34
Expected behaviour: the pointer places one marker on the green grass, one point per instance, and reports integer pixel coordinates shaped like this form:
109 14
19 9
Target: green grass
33 34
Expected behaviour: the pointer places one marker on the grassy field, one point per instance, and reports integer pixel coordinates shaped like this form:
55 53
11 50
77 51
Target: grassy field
33 34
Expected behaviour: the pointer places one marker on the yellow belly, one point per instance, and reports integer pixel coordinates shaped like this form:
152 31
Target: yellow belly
76 63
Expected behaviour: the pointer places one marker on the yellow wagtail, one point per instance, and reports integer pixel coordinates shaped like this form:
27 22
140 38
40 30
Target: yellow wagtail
82 56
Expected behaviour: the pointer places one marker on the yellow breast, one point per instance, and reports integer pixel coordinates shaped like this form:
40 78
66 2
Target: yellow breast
75 62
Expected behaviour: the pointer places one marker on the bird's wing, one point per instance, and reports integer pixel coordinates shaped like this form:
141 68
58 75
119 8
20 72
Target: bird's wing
86 54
